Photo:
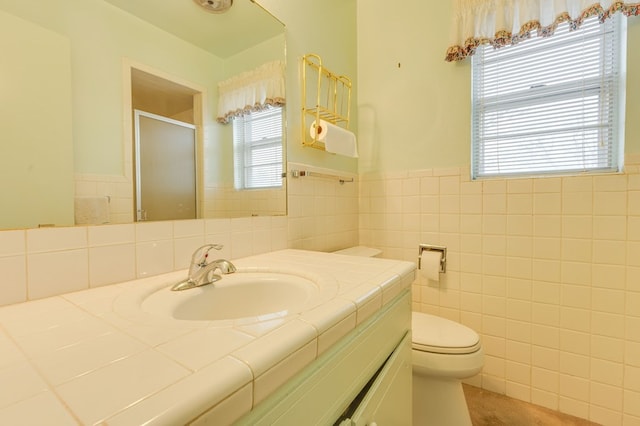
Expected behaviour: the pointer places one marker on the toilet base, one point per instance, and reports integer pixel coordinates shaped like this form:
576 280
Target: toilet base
439 402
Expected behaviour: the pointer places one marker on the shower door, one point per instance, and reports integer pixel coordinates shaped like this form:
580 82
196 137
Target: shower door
165 152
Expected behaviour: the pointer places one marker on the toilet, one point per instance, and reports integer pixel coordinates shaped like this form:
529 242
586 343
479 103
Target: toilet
444 353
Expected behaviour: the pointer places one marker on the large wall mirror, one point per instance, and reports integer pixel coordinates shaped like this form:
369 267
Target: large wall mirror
80 81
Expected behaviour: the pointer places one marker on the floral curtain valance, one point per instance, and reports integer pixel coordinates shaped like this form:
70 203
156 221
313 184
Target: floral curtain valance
503 22
251 91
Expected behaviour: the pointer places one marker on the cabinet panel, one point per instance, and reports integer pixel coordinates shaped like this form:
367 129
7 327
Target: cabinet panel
321 393
388 401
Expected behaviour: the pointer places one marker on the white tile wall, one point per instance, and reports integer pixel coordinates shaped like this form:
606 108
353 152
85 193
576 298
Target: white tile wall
323 213
545 269
38 263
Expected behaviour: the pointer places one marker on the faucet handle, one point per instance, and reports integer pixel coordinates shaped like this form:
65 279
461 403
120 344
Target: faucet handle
199 257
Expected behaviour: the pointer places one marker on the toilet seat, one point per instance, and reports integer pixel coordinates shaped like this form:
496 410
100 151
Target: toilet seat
442 336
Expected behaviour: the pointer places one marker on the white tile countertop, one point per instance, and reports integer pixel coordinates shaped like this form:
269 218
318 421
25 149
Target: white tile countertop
95 356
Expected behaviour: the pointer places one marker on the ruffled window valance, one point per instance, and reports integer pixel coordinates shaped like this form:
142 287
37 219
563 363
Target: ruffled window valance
503 22
251 91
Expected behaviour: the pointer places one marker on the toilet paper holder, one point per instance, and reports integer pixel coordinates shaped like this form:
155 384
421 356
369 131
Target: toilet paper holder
430 247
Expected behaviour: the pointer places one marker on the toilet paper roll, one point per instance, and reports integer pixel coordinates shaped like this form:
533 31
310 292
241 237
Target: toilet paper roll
336 139
430 264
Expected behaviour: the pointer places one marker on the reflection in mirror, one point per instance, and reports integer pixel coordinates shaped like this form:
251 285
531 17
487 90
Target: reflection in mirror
75 72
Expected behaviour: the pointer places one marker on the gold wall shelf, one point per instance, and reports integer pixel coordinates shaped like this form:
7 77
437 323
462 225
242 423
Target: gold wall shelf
325 96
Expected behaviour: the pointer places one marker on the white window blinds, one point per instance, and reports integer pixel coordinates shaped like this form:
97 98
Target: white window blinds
257 146
549 105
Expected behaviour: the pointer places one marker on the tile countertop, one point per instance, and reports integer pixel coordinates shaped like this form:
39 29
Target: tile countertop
93 356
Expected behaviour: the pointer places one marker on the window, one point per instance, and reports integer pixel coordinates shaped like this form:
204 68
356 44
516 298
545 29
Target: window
257 149
550 105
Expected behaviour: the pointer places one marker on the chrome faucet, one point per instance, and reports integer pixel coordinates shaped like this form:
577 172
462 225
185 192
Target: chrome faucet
201 272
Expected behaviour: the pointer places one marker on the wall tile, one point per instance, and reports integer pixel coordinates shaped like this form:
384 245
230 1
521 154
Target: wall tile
14 280
111 234
547 203
609 252
494 203
576 296
606 396
612 182
576 273
12 243
152 231
547 226
632 378
608 276
520 186
546 314
577 203
520 225
575 342
154 258
471 204
577 184
519 203
607 348
607 300
604 416
631 405
518 372
609 228
607 372
57 272
518 352
575 365
573 407
546 270
610 203
633 203
607 324
497 186
549 263
575 319
576 250
56 239
577 226
547 185
544 398
188 228
111 264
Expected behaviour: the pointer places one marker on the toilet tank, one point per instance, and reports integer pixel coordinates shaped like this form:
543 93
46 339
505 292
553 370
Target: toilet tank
361 251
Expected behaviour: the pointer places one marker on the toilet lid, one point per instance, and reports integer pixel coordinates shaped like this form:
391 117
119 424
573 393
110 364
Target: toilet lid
440 335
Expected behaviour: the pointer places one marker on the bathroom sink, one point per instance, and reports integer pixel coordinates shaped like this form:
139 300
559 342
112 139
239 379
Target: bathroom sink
258 295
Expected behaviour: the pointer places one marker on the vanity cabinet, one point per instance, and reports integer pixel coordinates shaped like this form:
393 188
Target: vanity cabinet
387 399
364 379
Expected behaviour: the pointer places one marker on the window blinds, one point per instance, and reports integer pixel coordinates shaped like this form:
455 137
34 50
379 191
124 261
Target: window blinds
549 105
257 145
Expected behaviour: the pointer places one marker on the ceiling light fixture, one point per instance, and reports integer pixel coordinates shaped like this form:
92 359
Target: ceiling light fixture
215 6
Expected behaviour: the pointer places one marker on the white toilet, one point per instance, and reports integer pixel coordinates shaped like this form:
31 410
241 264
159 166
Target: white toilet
443 353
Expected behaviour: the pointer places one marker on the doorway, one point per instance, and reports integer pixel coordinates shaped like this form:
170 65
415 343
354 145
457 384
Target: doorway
165 152
166 142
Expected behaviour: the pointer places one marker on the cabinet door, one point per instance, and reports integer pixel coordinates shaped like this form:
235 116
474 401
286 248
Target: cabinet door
388 401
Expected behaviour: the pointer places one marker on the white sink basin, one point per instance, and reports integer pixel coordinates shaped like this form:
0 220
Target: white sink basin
260 295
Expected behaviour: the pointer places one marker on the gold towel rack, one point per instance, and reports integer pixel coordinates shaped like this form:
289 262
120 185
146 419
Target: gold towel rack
325 96
302 173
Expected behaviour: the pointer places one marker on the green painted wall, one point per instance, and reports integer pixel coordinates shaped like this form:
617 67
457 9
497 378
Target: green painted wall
414 107
326 28
100 36
36 153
